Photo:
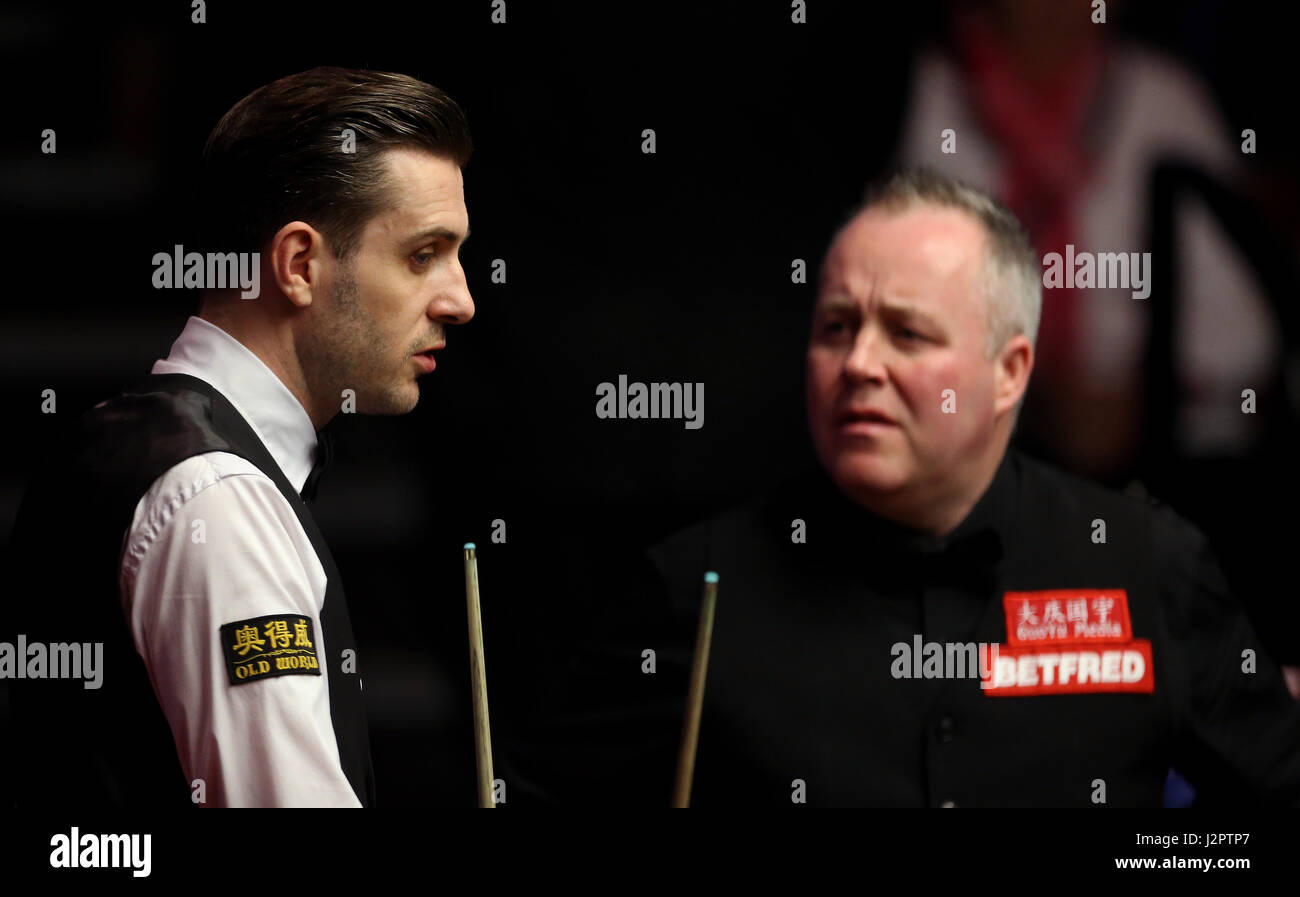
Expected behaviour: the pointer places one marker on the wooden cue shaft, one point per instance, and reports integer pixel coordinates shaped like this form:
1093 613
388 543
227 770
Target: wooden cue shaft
478 681
695 700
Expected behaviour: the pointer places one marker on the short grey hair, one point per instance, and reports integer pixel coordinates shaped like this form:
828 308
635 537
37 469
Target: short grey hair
1011 280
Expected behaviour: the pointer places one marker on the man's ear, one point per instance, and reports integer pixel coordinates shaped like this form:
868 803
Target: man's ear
297 259
1015 362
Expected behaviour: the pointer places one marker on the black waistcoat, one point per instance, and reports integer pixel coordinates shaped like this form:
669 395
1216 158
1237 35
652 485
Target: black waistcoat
112 746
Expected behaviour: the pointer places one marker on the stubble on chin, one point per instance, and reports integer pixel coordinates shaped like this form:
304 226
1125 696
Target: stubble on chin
352 362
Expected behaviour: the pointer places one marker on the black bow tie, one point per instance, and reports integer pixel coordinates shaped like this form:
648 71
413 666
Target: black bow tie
324 454
970 559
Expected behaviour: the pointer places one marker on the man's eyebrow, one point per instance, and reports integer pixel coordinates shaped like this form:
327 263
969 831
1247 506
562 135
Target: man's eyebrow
441 233
838 302
905 310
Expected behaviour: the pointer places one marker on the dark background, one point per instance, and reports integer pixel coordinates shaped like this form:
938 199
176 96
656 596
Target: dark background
665 267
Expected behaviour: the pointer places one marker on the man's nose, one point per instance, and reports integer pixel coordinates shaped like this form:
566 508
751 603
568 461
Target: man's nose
864 362
455 305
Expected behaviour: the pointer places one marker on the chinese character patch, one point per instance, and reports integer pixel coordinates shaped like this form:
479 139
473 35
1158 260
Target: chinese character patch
1067 616
274 645
1069 641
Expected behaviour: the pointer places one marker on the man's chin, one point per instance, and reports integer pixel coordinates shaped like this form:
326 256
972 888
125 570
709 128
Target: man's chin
869 476
400 400
405 403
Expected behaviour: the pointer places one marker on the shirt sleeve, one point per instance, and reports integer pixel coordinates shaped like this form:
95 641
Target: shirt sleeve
1240 733
210 549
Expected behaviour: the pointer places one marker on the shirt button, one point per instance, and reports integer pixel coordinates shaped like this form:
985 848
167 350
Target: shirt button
947 805
946 729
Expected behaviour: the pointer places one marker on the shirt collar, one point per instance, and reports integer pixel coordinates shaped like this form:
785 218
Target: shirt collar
206 351
993 511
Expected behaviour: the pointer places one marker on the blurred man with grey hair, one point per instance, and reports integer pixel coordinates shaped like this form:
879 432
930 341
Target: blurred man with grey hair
932 618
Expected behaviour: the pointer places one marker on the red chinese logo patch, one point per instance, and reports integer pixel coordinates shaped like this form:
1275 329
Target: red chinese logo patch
1069 641
1067 616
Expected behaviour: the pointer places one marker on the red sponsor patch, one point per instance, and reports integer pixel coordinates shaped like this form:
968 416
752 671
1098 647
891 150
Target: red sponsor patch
1074 669
1067 616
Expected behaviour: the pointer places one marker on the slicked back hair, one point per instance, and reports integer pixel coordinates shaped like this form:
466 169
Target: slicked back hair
278 155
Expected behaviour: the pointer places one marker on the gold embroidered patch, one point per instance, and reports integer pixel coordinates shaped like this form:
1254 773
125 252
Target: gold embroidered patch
274 645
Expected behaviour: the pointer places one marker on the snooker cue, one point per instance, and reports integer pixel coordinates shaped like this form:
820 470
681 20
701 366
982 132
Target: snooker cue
695 700
478 681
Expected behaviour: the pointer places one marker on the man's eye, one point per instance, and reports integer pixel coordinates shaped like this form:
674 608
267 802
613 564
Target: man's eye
834 328
908 333
423 258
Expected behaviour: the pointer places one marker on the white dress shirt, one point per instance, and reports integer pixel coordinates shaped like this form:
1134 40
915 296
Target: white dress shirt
267 743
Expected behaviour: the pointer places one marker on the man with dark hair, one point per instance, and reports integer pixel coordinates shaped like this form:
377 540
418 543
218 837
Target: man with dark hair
202 573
